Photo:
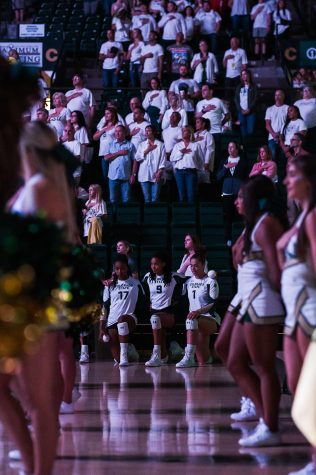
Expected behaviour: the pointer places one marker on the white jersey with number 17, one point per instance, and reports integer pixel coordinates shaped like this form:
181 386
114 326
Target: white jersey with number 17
122 298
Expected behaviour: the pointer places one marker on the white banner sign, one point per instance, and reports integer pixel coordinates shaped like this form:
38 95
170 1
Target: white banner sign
32 30
31 54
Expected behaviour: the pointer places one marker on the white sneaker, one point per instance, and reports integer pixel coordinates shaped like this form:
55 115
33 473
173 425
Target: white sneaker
156 361
309 469
261 437
15 455
132 353
187 361
75 395
247 411
123 359
66 408
175 350
84 358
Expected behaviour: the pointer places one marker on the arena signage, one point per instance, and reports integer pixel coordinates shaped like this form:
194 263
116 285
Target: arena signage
31 54
42 54
298 53
32 30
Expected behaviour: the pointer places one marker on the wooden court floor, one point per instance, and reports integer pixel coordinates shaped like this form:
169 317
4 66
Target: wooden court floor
162 421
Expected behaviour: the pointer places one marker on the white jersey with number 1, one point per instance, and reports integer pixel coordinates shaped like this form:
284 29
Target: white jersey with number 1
201 293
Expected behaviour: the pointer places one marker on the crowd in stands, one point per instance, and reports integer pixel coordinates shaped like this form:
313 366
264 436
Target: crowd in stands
176 125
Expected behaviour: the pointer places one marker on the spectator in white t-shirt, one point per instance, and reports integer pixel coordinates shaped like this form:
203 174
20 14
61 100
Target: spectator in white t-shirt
282 19
235 60
81 134
60 115
111 53
188 160
133 56
137 127
149 165
204 65
307 107
81 99
294 123
206 141
134 103
68 140
144 22
275 118
155 103
172 134
186 88
171 23
213 109
175 106
121 24
239 15
106 134
152 60
261 14
209 24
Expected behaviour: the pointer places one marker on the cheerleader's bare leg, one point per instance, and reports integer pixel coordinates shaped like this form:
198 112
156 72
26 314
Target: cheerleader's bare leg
14 421
222 344
42 383
262 341
68 366
238 364
166 320
207 327
295 348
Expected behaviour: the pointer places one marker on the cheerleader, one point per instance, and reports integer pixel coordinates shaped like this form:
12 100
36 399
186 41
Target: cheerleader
17 91
45 386
122 295
255 334
248 410
202 321
297 258
163 288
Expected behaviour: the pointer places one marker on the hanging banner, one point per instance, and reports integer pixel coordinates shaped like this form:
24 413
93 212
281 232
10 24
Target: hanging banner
31 54
299 53
31 30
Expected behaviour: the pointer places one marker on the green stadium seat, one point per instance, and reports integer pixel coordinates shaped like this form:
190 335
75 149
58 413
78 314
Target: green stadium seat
218 257
238 228
129 213
156 213
183 213
212 235
177 255
88 47
155 234
100 251
211 213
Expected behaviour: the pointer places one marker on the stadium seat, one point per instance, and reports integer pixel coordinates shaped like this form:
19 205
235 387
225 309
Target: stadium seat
130 213
211 213
183 213
218 257
155 234
156 213
212 235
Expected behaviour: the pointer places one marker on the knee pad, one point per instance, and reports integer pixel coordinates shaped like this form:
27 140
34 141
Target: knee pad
155 322
123 329
191 324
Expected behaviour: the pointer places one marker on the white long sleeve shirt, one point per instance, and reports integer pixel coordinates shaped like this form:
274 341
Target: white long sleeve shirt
183 161
150 163
160 101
